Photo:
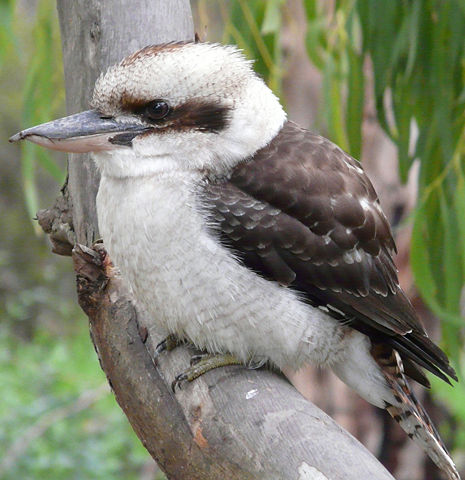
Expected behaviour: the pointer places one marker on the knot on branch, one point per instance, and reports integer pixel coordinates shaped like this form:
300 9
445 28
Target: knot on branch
93 270
57 221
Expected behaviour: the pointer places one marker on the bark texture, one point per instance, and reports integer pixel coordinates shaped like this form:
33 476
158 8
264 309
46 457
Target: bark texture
231 423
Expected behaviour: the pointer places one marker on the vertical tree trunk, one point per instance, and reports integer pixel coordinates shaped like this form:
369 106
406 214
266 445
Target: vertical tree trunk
231 423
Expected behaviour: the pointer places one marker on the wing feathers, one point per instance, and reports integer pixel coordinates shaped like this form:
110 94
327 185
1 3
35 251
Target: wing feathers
303 213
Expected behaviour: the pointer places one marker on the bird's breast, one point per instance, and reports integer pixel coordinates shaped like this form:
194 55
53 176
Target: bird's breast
148 225
191 285
155 233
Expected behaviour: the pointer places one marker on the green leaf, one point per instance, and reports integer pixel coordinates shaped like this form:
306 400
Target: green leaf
413 33
28 170
459 204
272 21
451 255
419 258
332 94
403 116
355 102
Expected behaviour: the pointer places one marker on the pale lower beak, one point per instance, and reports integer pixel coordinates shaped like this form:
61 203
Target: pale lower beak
81 133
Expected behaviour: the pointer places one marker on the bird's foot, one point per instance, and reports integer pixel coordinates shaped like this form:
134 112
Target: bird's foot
201 364
168 344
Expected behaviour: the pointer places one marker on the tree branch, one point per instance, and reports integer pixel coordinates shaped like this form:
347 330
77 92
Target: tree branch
231 423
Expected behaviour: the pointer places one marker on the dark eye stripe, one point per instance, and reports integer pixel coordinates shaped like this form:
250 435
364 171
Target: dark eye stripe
200 115
196 114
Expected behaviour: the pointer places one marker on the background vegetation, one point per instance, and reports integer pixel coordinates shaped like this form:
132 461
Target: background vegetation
57 417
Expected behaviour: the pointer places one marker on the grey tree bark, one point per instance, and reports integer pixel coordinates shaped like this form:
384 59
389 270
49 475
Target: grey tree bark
231 423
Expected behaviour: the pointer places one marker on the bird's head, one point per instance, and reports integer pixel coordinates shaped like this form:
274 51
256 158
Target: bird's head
188 106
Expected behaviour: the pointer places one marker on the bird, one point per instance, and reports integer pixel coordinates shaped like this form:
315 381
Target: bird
245 234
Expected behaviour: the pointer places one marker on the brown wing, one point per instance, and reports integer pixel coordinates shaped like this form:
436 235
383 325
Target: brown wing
303 213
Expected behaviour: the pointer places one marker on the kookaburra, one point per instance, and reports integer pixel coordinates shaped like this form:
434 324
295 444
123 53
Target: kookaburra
246 234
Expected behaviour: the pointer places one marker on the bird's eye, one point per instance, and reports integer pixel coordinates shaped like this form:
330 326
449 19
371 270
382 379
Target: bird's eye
156 109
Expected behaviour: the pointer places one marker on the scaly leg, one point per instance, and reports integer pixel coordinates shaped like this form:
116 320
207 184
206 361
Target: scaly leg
201 364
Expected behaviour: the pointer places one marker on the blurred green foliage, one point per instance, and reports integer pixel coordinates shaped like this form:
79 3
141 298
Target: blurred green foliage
47 365
30 43
418 53
256 28
43 94
59 419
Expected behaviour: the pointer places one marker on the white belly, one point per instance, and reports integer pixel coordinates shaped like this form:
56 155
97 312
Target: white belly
190 285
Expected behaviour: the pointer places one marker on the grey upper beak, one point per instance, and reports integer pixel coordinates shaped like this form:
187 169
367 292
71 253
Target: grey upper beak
83 132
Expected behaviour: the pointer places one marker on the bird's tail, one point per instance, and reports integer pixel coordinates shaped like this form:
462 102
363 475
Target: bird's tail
412 417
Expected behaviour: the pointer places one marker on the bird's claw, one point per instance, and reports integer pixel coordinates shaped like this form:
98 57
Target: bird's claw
256 363
168 344
195 359
178 381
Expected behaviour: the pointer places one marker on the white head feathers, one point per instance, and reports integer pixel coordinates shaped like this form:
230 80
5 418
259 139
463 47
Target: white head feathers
221 112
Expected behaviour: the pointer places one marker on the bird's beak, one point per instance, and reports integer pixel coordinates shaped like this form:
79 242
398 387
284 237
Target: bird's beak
83 132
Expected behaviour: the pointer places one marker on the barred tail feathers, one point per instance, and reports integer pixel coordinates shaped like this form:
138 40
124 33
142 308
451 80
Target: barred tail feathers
412 417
